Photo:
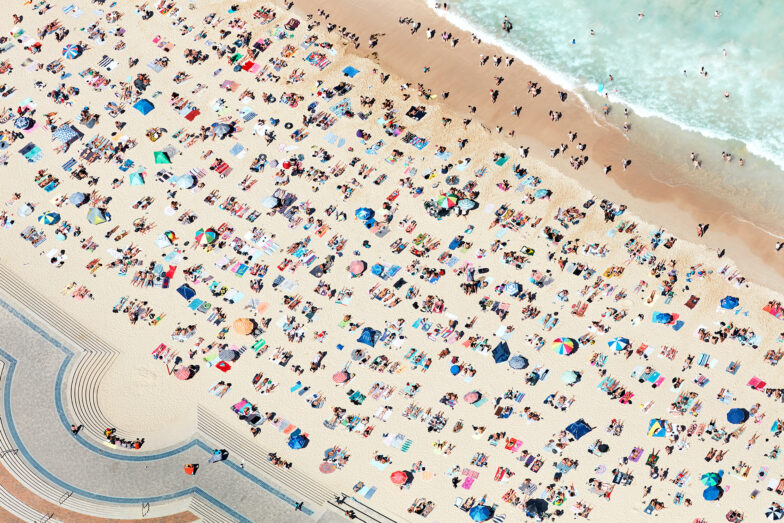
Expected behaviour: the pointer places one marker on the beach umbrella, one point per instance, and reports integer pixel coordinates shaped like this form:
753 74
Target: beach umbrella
72 51
357 267
446 201
186 181
340 377
472 397
709 479
570 377
161 157
618 343
97 216
270 202
23 123
60 236
536 506
454 370
737 415
775 512
298 442
603 447
564 346
480 513
729 302
357 355
170 236
466 204
518 362
363 213
399 477
183 373
228 355
77 198
712 493
25 210
243 326
542 193
49 218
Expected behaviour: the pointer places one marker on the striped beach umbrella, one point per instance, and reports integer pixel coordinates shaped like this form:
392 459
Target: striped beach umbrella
446 201
564 346
72 51
618 343
49 218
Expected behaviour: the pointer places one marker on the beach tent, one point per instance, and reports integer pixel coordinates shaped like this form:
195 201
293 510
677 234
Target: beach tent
501 352
136 178
737 416
579 428
729 302
369 336
144 106
97 216
161 157
186 291
657 428
298 442
350 71
481 513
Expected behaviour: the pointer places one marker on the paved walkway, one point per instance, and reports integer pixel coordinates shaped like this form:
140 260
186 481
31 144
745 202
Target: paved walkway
34 416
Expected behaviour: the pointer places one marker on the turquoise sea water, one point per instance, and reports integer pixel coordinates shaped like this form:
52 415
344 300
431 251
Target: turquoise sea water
647 58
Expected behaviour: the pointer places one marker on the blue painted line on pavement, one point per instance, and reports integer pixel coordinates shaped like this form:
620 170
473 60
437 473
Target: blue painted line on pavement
123 457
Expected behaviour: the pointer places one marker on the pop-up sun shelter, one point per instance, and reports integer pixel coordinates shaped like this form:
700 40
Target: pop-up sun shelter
579 428
144 106
501 352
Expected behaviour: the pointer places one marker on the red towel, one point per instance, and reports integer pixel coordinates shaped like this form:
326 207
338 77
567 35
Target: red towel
171 271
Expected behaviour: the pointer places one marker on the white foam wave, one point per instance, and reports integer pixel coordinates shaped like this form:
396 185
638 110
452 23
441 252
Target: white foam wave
574 85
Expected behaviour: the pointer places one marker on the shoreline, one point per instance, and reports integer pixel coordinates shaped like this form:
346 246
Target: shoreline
678 211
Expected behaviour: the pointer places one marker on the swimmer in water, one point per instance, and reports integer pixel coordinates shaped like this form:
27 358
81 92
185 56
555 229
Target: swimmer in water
640 16
726 95
716 13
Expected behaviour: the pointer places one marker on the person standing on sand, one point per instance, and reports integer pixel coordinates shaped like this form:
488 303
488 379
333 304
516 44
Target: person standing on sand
779 245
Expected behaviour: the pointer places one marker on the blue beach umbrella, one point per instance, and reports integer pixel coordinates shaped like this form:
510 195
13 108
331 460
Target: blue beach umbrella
729 302
712 493
298 442
737 416
481 513
618 343
710 479
49 218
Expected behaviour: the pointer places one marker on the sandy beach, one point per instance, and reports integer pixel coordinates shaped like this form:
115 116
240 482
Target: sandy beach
278 228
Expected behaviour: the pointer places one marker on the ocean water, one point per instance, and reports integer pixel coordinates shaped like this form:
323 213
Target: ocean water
647 59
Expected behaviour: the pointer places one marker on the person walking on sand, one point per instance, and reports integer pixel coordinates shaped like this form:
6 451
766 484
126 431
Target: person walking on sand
779 245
